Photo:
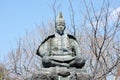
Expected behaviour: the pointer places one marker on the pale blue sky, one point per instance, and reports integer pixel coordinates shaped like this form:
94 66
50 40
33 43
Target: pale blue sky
19 16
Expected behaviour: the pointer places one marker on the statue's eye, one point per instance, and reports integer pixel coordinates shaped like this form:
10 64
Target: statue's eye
58 24
61 24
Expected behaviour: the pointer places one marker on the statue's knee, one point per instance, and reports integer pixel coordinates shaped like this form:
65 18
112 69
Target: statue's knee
79 59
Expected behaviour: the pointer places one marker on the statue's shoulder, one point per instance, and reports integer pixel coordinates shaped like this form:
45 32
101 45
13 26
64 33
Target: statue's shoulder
46 39
49 37
71 37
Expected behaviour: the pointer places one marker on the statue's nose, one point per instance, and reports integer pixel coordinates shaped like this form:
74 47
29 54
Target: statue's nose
61 27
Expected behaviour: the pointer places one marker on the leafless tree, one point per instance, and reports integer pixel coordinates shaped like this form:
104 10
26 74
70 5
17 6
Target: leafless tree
99 40
102 33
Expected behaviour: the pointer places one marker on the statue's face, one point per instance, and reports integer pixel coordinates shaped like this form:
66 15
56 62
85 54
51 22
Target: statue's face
60 27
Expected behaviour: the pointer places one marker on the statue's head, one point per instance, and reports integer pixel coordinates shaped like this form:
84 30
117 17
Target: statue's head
60 24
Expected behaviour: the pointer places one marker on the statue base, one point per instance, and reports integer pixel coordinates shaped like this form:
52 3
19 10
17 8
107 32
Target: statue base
60 73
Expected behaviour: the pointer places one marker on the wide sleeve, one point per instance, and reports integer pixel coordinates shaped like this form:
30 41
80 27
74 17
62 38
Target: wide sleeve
43 49
75 47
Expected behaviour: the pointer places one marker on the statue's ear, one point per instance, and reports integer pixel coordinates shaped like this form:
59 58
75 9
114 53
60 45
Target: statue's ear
55 24
64 27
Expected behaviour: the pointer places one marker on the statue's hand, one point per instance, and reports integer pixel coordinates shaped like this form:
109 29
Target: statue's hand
45 59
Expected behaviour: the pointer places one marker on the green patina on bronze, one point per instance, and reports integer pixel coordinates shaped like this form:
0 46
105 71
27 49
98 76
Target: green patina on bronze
60 49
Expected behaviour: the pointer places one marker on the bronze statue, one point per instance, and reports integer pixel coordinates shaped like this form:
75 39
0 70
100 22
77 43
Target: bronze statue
60 49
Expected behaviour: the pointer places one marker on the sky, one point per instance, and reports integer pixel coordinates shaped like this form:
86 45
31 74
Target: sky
20 16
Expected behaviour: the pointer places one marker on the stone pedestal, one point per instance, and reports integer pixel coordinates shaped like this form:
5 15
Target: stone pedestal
60 73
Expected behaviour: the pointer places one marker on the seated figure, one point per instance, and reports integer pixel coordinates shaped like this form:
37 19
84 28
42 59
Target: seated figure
60 49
